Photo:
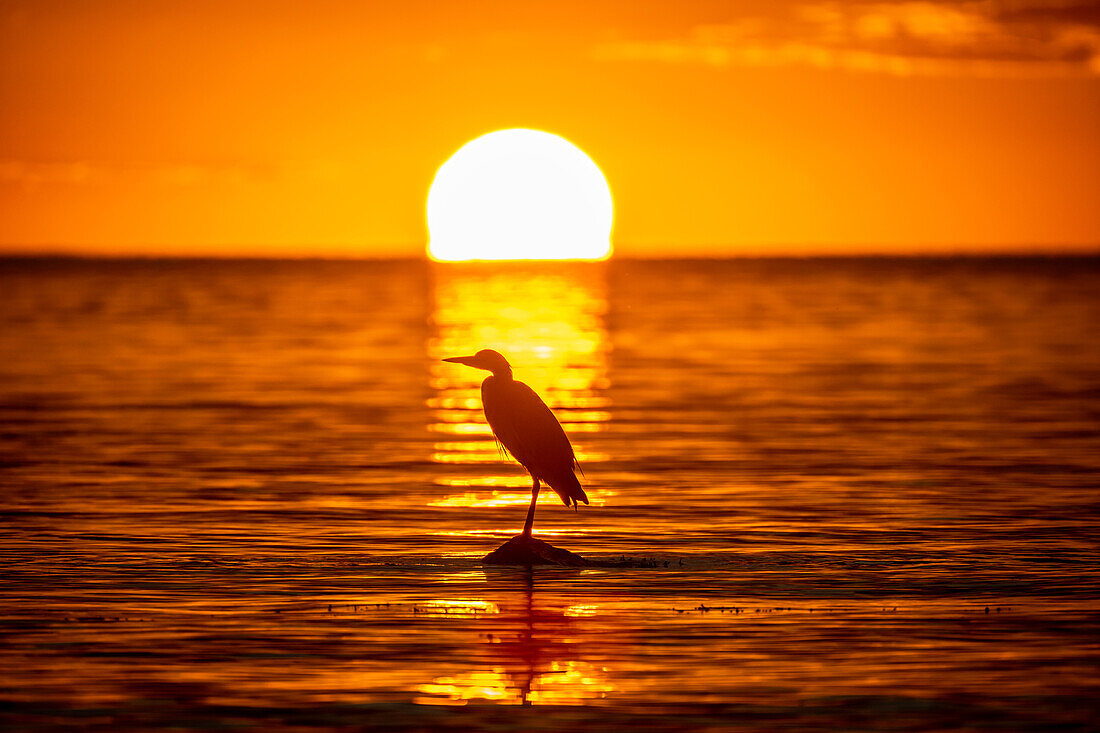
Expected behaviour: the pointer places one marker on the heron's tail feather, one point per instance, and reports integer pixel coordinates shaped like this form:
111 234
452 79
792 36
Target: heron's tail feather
569 489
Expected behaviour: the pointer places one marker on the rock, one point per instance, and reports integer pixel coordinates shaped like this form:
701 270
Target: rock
524 550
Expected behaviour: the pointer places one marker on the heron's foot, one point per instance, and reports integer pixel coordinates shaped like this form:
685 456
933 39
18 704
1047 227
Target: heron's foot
524 549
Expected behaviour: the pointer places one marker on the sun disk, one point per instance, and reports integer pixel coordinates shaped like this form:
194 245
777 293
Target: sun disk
519 195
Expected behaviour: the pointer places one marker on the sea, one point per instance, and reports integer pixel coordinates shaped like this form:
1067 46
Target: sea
826 493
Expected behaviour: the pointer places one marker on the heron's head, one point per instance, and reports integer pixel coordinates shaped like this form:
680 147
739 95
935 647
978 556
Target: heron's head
487 359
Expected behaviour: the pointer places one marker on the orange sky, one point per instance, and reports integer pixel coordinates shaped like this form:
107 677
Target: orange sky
722 127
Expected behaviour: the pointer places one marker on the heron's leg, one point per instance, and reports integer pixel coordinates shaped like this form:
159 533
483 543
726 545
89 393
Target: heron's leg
531 512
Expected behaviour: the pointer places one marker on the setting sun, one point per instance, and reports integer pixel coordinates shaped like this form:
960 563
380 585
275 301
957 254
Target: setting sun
519 195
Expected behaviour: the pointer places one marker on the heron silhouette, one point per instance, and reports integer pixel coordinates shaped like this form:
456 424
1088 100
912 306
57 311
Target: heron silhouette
528 430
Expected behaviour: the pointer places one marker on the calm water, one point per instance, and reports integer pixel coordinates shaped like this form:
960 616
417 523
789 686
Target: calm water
245 492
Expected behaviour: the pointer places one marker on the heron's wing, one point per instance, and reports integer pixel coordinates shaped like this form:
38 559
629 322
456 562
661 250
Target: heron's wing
525 426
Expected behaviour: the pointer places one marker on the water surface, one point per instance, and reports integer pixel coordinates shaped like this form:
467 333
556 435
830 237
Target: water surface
859 493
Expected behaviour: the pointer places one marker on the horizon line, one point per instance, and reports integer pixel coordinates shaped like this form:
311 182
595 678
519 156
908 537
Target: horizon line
1068 252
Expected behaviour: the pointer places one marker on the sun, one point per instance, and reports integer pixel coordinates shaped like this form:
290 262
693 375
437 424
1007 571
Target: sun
519 195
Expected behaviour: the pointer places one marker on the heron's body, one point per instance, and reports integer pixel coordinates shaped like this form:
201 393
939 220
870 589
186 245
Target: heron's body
528 430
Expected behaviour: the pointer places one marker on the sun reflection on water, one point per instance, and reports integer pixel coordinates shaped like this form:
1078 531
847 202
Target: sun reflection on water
532 657
548 321
457 607
561 683
509 498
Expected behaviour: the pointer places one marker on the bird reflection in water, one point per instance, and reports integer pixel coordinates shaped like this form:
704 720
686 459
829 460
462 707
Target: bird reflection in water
532 660
548 319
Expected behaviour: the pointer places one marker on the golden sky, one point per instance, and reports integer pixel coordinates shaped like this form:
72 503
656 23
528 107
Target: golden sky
724 127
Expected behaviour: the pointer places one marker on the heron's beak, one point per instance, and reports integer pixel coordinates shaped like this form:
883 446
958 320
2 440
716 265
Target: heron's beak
467 360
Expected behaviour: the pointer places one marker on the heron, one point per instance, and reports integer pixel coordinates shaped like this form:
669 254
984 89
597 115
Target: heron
527 429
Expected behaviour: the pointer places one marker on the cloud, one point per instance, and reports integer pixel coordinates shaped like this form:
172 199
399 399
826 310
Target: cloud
33 175
912 37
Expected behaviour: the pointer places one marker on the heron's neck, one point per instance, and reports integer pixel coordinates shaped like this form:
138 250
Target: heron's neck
505 374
